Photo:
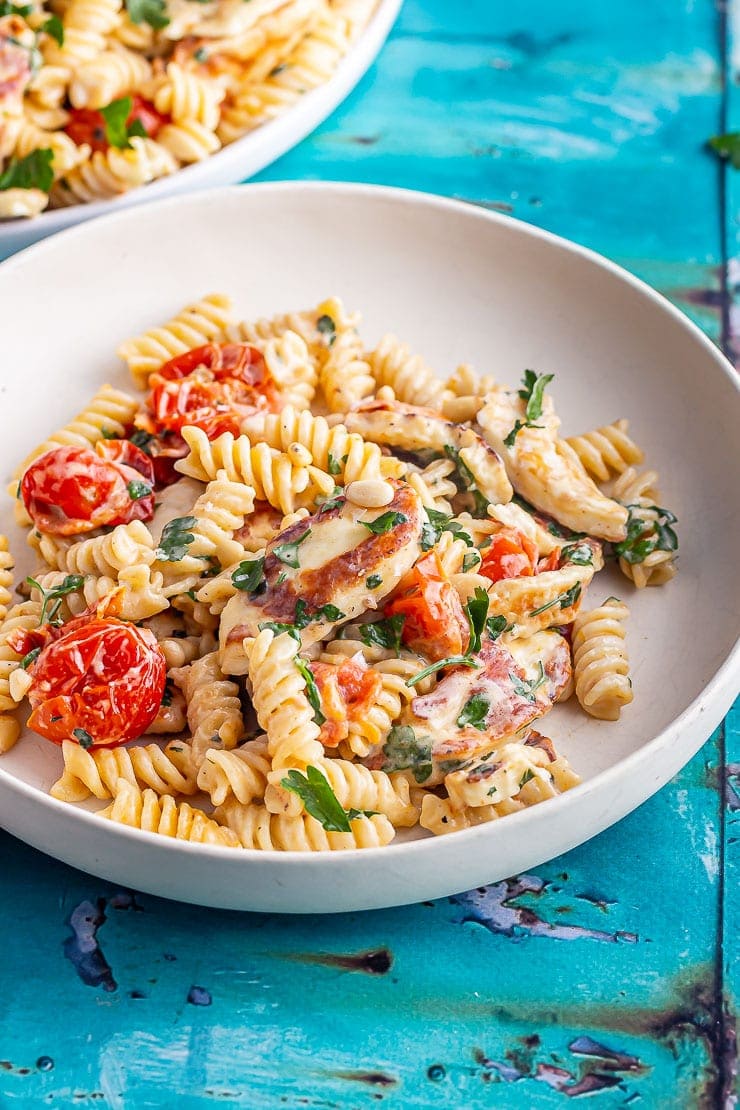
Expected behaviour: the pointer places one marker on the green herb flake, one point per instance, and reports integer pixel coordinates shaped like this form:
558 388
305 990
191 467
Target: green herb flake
384 523
334 501
32 172
470 559
83 737
29 659
153 12
384 634
404 749
288 552
142 440
580 554
373 581
200 55
474 712
21 10
476 610
326 327
527 688
302 618
176 538
54 28
169 691
533 392
137 490
466 481
526 777
334 466
647 535
312 690
277 628
450 661
565 600
318 798
496 626
249 575
52 599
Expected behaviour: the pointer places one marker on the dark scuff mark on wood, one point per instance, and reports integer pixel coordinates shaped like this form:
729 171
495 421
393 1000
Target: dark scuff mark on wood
376 961
371 1078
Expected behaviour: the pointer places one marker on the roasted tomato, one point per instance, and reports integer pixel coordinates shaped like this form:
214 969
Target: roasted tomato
88 126
100 682
70 490
511 555
212 387
347 692
435 622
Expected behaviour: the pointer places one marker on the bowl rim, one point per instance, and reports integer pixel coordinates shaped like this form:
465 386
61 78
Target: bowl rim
720 688
276 137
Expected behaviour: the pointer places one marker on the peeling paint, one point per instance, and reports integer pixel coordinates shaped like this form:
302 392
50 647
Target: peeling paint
83 950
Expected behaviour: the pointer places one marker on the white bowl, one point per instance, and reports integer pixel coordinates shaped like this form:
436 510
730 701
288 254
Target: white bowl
458 283
235 162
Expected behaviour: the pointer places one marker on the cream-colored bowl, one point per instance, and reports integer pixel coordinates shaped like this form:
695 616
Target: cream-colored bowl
458 283
235 162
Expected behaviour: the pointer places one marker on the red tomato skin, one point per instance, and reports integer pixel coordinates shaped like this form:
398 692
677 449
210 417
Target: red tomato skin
435 622
102 675
70 490
127 454
347 692
225 360
511 554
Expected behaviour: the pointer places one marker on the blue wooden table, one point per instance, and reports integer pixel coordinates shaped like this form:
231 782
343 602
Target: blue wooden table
610 972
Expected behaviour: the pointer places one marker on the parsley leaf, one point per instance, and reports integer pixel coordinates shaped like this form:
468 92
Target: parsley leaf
385 633
438 523
727 146
68 585
527 688
404 749
55 28
117 131
249 575
526 777
581 554
384 522
153 12
565 600
318 798
533 392
335 499
176 538
496 626
647 535
312 690
278 628
303 618
333 465
137 490
450 661
470 559
476 610
373 581
288 552
32 172
22 10
142 440
169 691
474 712
326 327
30 658
83 737
466 481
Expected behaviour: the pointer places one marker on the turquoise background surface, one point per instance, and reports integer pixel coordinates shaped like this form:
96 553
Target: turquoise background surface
610 973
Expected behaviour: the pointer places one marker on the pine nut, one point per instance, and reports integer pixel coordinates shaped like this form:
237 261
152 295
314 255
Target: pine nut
372 493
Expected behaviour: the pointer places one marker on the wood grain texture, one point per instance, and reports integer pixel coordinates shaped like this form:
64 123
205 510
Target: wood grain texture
612 971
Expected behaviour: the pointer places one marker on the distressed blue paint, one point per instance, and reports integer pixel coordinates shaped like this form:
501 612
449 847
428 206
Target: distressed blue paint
603 969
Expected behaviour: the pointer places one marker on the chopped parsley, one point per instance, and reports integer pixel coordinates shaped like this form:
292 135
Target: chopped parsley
277 628
476 610
645 536
333 501
32 172
404 749
288 552
118 131
384 522
137 490
83 737
385 633
142 440
326 327
438 523
496 626
312 690
55 28
532 391
373 581
565 600
527 688
30 658
21 10
466 481
200 55
52 599
176 538
320 801
303 618
581 554
526 777
169 691
334 466
153 12
249 575
450 661
474 712
470 559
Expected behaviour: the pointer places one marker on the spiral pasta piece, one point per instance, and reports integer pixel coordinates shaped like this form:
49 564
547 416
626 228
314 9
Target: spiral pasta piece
6 577
86 24
606 451
22 617
188 141
187 97
180 651
146 811
128 545
240 774
639 492
65 153
97 772
256 827
412 381
600 662
201 322
375 724
292 368
345 377
107 414
108 173
214 706
358 788
280 702
219 512
111 74
137 589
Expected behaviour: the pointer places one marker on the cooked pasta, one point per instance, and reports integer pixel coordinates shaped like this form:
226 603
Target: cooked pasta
118 104
318 591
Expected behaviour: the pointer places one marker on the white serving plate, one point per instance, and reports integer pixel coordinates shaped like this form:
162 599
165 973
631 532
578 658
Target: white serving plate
458 283
235 162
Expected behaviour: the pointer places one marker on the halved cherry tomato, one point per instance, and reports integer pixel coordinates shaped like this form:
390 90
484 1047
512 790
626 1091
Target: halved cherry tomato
70 490
347 692
510 555
435 622
88 126
225 360
100 682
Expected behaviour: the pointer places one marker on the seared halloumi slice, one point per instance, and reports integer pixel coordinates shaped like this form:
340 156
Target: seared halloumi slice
471 711
546 471
541 600
417 429
326 570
